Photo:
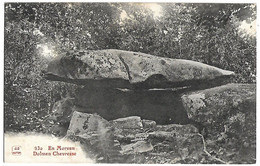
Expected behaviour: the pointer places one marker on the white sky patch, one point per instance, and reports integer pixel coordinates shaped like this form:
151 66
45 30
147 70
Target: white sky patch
249 28
124 15
154 7
69 5
46 50
157 9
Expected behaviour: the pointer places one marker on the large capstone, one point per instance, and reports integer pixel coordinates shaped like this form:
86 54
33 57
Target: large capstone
125 69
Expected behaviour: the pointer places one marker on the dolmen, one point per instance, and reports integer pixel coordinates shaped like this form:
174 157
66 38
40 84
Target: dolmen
136 104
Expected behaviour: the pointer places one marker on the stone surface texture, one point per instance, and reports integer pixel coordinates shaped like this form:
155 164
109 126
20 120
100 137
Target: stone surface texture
118 68
229 114
110 141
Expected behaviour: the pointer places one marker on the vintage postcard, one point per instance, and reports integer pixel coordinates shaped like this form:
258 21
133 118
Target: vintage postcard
132 83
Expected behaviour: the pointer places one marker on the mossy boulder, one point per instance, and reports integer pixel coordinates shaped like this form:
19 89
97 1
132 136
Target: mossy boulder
229 114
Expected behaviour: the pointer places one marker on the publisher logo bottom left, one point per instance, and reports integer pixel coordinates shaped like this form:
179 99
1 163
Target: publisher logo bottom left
16 150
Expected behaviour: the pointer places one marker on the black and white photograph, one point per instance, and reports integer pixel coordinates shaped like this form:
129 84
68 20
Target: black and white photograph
129 82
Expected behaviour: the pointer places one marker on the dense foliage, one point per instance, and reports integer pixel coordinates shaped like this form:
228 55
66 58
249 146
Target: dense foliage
35 32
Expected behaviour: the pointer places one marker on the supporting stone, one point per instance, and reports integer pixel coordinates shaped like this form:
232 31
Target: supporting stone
162 106
229 114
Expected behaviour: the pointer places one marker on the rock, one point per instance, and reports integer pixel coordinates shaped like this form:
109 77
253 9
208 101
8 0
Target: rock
57 122
206 106
55 129
96 135
180 128
229 114
124 69
62 110
100 148
161 106
137 147
106 141
148 124
182 142
128 130
132 122
83 123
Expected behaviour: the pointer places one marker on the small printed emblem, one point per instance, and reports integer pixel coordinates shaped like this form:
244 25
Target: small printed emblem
16 150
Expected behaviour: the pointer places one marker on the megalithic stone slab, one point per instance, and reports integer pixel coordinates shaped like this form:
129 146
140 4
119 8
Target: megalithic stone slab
125 69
